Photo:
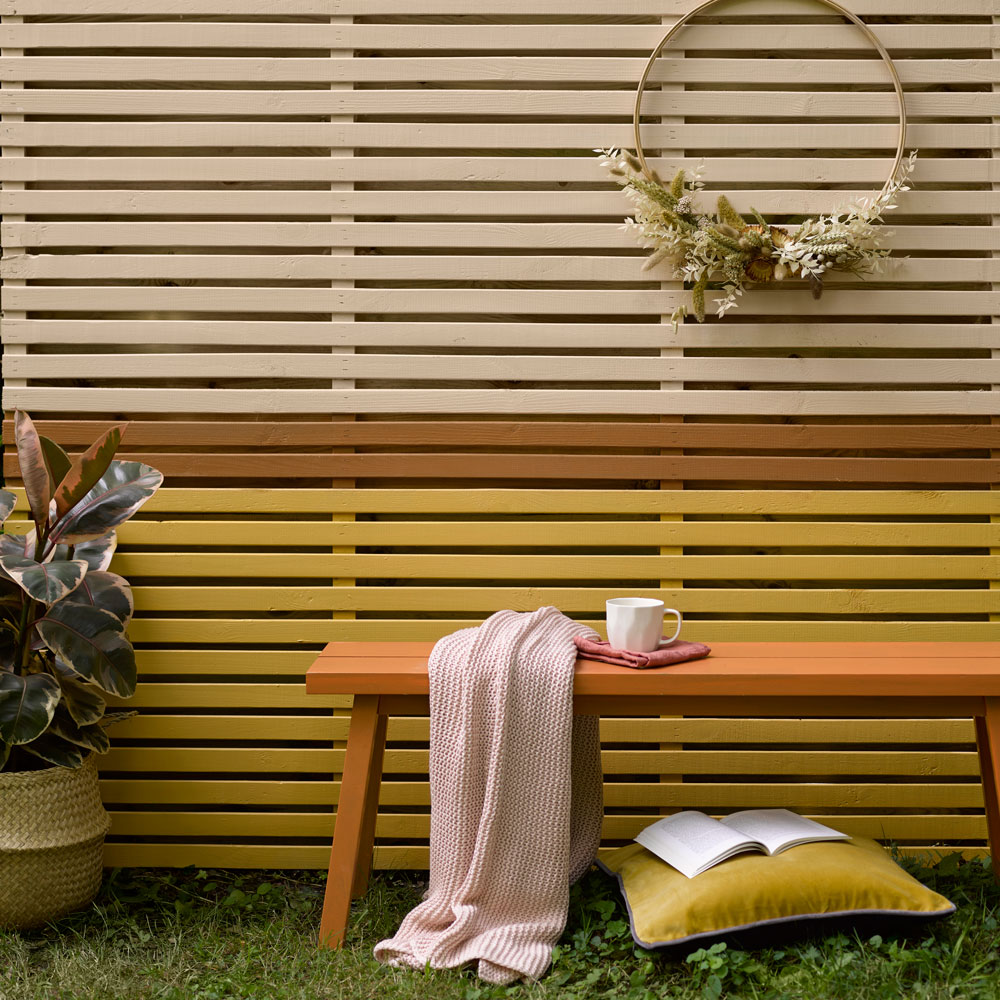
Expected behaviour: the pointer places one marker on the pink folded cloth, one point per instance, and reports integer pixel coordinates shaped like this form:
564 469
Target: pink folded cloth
675 652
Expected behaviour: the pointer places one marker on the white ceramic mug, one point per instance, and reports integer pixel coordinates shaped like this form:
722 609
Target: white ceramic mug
636 623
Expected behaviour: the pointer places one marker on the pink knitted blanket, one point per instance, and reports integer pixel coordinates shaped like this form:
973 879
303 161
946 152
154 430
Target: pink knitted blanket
516 800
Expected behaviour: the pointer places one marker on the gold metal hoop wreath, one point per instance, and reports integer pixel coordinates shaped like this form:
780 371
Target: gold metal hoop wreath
728 252
832 5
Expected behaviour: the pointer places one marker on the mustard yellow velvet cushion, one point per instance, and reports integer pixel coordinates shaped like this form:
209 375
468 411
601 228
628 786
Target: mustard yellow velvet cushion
751 890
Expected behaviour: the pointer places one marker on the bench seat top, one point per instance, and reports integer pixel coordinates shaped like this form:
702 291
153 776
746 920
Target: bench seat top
794 669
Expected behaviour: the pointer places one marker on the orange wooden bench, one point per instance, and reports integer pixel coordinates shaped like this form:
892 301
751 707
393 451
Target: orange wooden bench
775 679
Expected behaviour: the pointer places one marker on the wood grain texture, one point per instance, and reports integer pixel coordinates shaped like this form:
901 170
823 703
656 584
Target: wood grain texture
577 467
764 170
77 434
592 451
408 267
477 70
915 505
488 37
784 333
485 103
580 136
814 402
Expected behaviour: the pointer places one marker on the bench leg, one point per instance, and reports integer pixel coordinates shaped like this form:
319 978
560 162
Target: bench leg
366 842
988 742
354 827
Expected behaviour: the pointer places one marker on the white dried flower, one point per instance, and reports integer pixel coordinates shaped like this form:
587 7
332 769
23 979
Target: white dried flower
850 239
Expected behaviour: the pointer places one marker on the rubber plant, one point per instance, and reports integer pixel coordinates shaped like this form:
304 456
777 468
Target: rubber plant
63 615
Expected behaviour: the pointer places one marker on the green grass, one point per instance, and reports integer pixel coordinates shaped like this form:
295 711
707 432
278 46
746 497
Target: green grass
197 935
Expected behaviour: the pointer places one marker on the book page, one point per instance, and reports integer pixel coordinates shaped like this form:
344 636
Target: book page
779 829
692 841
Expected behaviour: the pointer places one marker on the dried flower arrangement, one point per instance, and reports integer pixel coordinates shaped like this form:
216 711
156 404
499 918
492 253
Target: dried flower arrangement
728 252
667 221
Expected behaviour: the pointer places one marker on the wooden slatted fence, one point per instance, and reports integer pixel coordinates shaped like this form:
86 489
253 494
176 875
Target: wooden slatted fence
354 274
226 727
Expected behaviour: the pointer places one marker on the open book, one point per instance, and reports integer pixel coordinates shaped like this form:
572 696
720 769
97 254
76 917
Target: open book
692 842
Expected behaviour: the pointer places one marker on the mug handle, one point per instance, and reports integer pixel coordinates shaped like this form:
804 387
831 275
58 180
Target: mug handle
677 631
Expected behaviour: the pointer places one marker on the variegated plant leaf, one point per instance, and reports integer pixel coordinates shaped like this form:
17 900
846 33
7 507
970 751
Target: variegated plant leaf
33 470
7 503
120 492
91 642
87 470
14 544
45 582
56 460
97 552
26 706
89 737
58 552
108 591
82 699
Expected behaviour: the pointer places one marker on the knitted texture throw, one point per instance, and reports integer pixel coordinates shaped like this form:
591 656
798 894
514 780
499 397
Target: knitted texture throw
516 800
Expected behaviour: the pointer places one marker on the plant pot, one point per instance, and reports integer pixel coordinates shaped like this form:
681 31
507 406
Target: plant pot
52 829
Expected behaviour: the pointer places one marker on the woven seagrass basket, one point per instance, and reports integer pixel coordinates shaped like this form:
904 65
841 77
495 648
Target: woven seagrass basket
52 829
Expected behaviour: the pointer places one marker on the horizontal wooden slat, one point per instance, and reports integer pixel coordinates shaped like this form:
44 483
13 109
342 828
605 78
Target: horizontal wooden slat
316 634
551 534
491 68
470 168
296 856
230 662
547 533
550 433
290 696
573 600
421 367
487 37
258 728
746 503
258 632
578 335
815 402
580 136
445 204
688 795
792 299
225 695
554 235
589 567
738 105
123 759
411 826
573 467
315 267
868 795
